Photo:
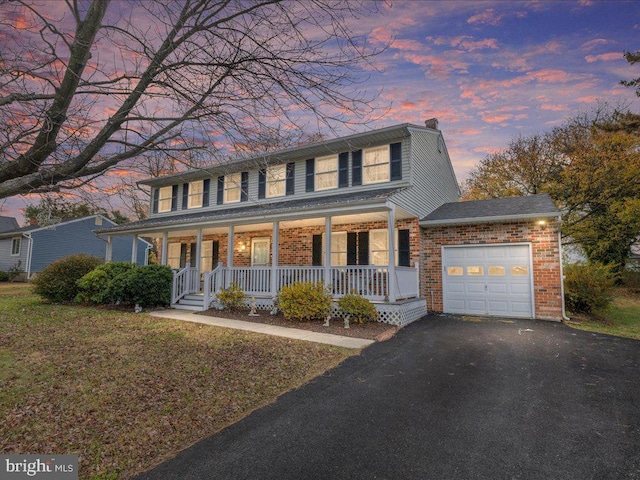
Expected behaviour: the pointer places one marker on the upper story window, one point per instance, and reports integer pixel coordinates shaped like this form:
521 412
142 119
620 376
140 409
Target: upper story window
232 187
326 172
164 199
196 190
375 165
15 245
276 178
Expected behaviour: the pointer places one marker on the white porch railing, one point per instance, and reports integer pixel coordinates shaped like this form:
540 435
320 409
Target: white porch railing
289 275
369 281
185 281
408 282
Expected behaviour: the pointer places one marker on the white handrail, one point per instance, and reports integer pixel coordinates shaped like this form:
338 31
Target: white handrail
185 281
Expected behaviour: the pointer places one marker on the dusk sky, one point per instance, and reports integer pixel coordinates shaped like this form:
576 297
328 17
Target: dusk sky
492 70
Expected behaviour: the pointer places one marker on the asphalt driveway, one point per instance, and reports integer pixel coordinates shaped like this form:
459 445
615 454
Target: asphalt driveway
447 398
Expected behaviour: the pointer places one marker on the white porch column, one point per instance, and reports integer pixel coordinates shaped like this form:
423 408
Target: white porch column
199 249
109 252
134 250
230 247
327 252
275 244
165 248
391 230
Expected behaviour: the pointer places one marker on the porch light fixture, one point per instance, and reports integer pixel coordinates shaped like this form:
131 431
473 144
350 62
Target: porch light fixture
542 223
242 246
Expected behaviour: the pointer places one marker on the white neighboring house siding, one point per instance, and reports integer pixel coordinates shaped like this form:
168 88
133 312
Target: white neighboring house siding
432 177
7 260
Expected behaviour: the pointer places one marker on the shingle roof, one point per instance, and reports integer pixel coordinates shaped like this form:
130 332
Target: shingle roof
495 209
264 209
8 224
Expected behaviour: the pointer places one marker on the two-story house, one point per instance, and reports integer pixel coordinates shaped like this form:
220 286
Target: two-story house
346 212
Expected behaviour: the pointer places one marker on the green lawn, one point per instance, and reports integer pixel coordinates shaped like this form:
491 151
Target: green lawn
126 391
621 319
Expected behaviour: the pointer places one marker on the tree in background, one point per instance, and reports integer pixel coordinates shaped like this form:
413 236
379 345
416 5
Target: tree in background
591 172
51 207
87 86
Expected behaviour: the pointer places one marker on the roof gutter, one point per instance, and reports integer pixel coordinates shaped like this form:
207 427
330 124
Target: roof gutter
492 219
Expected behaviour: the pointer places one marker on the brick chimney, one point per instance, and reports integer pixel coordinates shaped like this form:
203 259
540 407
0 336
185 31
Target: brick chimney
431 123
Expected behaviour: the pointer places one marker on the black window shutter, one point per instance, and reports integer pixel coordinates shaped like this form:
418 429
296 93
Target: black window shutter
244 187
356 168
174 198
215 254
206 187
343 170
396 161
291 178
310 177
192 254
262 183
363 248
185 196
220 195
183 255
316 253
352 252
404 250
155 194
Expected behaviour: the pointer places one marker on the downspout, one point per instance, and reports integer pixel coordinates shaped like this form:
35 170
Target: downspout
29 253
564 314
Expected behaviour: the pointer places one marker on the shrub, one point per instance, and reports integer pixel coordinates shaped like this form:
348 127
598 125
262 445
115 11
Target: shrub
588 287
58 281
305 301
631 279
14 271
357 308
147 286
95 286
231 298
4 276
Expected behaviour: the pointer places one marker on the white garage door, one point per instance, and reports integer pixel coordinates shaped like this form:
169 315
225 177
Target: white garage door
488 280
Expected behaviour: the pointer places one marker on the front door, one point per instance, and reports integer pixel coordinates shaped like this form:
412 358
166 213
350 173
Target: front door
260 248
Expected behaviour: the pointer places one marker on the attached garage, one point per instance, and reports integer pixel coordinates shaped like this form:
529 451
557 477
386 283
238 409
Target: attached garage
498 257
488 280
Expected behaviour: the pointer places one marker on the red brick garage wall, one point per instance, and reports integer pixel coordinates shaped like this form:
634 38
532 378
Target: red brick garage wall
545 251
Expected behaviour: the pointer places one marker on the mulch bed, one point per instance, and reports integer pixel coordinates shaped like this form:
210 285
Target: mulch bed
370 330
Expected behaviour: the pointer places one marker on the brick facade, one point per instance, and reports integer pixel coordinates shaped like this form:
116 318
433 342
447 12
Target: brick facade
545 252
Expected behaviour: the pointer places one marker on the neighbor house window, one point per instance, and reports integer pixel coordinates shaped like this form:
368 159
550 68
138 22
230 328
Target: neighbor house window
327 172
338 249
232 187
375 165
15 246
276 180
164 199
379 247
195 193
173 255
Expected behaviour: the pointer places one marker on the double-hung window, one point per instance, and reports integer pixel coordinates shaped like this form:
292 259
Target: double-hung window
195 194
327 172
232 187
379 247
173 255
164 199
375 165
338 248
15 246
276 180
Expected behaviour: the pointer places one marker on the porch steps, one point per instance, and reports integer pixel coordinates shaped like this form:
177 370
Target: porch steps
193 302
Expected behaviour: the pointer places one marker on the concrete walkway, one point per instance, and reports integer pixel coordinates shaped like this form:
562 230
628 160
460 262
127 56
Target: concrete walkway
294 333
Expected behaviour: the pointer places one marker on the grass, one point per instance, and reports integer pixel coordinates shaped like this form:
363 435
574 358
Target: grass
621 319
126 391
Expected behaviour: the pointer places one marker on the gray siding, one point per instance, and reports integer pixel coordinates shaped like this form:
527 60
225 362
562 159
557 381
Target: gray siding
77 237
432 178
7 260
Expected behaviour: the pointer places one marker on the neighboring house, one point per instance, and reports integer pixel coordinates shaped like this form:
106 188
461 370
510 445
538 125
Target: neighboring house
7 224
355 213
35 246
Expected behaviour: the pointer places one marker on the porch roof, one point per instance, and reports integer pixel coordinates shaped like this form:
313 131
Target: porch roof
492 210
340 202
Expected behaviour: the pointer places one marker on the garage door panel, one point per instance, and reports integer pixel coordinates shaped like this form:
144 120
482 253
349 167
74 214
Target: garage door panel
496 280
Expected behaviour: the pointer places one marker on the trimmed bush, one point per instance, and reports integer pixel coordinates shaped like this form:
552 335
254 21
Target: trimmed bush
58 281
357 308
588 287
95 286
147 286
231 298
631 279
4 276
305 301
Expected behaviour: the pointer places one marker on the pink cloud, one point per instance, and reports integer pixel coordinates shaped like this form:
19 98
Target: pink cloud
407 45
465 42
596 42
604 57
553 108
488 17
494 118
587 99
